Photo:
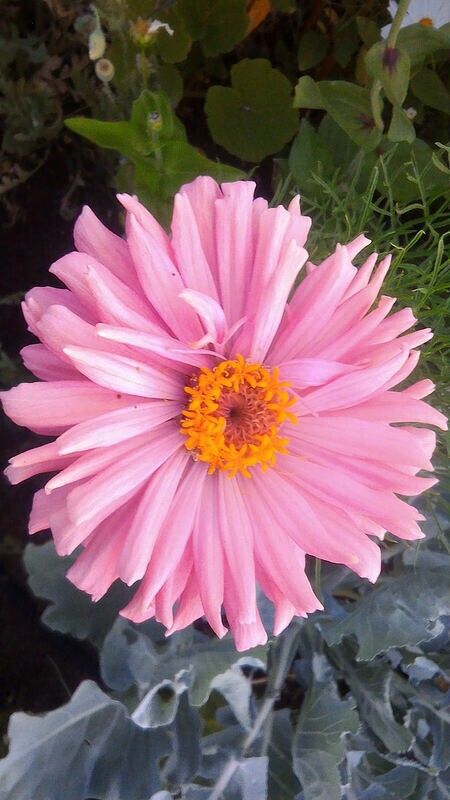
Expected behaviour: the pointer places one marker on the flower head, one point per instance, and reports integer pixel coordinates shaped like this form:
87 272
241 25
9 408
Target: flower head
207 432
428 13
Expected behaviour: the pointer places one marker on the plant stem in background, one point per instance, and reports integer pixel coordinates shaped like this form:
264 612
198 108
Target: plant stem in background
402 8
277 675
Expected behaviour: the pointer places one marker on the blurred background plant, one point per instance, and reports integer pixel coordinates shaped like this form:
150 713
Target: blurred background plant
345 102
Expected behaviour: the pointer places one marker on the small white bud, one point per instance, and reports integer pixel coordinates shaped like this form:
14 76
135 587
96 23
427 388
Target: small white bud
411 113
104 69
97 44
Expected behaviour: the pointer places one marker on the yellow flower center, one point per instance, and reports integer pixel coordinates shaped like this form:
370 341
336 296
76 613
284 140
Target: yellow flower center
234 414
427 22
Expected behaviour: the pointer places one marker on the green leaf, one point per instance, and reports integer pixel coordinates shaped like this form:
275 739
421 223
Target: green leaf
391 66
398 612
368 30
249 781
349 105
429 88
401 128
283 785
70 611
107 753
370 686
173 48
309 154
317 746
255 117
130 656
153 123
171 83
421 42
112 135
307 94
311 49
217 24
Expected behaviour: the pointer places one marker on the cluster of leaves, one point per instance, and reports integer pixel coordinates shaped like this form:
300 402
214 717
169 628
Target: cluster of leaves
350 703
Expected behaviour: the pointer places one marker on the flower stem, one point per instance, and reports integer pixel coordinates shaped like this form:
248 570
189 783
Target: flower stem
402 8
263 718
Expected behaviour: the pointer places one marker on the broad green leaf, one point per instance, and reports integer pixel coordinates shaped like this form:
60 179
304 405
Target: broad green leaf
173 48
346 42
368 30
370 686
391 66
130 656
283 785
429 88
112 135
398 612
349 105
254 117
309 154
87 748
249 781
183 762
217 24
374 778
70 611
401 128
171 82
311 49
307 94
317 746
421 42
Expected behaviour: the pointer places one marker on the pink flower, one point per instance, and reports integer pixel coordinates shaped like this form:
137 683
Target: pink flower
207 432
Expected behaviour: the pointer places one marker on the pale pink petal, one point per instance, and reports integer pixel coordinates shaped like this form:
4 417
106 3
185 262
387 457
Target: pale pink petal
146 220
162 283
235 246
347 493
269 307
123 374
93 462
56 405
360 439
39 299
46 365
124 423
210 312
189 606
106 296
233 516
170 547
353 344
126 475
202 194
312 306
173 587
96 567
395 407
34 462
350 390
180 355
94 238
187 246
208 557
150 516
303 372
